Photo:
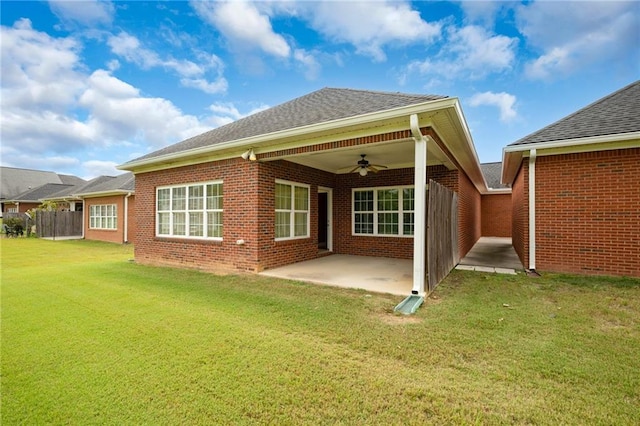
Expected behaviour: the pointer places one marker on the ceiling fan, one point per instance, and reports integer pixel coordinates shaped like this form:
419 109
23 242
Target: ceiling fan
364 167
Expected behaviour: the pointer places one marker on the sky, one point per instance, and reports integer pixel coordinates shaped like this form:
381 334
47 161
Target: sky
88 85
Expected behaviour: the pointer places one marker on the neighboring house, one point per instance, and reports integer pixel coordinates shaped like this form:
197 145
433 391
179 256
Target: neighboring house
576 190
496 205
109 204
284 185
32 198
15 182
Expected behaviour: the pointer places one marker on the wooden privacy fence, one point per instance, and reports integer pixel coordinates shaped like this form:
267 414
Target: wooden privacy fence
442 233
52 224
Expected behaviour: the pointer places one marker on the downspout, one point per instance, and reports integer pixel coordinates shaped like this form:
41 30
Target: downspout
126 217
420 199
532 210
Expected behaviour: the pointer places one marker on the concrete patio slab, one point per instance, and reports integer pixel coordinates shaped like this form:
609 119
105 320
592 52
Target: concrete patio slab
376 274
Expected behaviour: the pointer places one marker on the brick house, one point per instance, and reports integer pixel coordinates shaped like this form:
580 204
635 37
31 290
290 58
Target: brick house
576 190
495 204
292 183
108 208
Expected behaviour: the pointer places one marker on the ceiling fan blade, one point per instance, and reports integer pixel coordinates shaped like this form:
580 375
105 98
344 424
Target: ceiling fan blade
374 169
354 169
379 166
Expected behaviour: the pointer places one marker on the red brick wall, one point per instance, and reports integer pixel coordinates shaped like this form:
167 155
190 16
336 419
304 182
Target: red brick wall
469 220
131 231
496 215
588 213
520 215
109 235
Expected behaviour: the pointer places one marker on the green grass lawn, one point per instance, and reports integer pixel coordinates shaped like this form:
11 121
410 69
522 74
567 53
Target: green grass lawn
89 337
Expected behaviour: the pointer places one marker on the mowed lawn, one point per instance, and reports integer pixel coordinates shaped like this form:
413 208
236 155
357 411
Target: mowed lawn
90 337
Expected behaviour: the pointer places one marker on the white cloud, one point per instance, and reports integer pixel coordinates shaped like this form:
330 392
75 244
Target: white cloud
309 63
470 52
94 168
570 38
86 12
482 11
243 26
504 101
370 26
54 113
38 69
193 74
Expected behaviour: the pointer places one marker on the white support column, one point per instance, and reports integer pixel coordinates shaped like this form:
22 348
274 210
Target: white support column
420 208
532 210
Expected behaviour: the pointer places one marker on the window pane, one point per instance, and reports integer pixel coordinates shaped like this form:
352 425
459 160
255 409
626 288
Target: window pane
283 197
163 224
364 223
388 223
388 200
283 225
408 224
179 225
408 200
300 224
301 198
363 201
196 197
164 197
196 225
214 196
214 224
179 198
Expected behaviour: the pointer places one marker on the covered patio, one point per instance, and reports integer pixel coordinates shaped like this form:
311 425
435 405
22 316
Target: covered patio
393 276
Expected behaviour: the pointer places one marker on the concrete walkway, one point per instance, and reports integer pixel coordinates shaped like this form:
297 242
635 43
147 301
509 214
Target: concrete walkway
492 254
377 274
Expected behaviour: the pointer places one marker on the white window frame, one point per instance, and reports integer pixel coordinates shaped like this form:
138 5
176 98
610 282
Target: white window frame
101 215
375 211
292 212
171 211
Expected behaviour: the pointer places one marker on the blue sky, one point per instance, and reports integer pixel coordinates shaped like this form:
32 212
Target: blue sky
88 85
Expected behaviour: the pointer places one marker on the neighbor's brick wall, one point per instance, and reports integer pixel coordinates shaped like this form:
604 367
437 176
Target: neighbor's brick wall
496 215
469 220
520 214
588 213
109 235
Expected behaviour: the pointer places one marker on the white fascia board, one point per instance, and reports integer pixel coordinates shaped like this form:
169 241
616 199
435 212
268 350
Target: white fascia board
258 140
512 155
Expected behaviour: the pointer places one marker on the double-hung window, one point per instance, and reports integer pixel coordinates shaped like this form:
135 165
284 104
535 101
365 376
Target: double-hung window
103 216
190 211
292 210
384 211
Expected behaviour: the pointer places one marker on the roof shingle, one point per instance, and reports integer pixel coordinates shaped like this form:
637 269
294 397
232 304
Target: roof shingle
614 114
321 106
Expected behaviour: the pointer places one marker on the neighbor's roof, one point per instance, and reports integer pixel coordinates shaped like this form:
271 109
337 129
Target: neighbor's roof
15 181
492 172
42 192
321 106
616 113
125 182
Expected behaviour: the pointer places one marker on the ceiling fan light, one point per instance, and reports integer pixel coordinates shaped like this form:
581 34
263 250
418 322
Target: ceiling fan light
363 171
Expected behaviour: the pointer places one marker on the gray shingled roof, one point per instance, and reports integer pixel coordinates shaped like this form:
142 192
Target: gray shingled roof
123 182
492 173
614 114
15 181
42 192
321 106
